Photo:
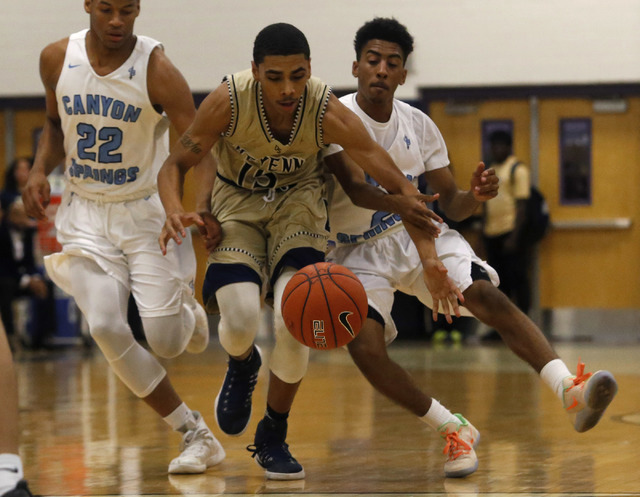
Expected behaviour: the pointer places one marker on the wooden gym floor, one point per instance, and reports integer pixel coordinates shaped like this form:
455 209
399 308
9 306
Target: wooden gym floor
84 434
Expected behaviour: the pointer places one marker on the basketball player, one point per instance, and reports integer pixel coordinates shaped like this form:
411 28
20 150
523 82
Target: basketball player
12 483
265 126
389 261
109 97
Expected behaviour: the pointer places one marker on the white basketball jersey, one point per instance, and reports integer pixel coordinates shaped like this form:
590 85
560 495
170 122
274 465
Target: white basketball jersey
417 147
115 141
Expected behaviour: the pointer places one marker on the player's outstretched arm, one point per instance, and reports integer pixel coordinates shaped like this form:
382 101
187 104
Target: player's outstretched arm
460 204
50 152
211 120
411 208
443 291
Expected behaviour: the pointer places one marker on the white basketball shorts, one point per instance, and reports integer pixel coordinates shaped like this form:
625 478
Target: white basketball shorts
122 238
392 263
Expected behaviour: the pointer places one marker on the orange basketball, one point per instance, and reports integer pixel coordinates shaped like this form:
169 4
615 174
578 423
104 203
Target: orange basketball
324 305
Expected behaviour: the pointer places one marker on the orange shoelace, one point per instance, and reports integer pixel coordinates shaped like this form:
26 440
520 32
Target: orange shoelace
580 378
455 446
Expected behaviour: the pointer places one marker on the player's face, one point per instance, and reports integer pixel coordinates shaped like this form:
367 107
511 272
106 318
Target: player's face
283 78
112 20
379 70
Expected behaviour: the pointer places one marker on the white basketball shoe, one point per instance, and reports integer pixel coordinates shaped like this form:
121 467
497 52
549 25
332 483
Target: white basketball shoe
461 437
199 450
586 396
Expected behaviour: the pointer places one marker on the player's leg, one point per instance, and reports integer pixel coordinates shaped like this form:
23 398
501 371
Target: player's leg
103 301
239 307
11 470
289 361
298 237
584 396
369 352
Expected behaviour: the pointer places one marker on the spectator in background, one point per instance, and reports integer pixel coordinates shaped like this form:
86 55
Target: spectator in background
503 222
15 180
20 276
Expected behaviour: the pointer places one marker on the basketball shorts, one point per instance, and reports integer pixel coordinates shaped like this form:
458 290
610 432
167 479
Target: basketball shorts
392 263
122 238
259 229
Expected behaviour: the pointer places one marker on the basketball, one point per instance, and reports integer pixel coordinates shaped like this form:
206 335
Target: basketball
324 306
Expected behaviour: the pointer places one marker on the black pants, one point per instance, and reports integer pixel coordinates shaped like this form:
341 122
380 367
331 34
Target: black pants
44 311
513 269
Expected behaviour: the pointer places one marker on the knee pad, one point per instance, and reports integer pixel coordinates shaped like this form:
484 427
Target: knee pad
168 336
138 370
239 316
290 358
131 362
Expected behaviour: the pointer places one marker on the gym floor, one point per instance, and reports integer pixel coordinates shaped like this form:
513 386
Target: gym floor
84 434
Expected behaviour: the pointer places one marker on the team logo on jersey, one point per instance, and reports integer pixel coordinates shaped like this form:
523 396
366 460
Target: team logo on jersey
344 321
407 141
132 72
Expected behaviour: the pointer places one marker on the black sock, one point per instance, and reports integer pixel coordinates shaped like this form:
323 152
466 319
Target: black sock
276 416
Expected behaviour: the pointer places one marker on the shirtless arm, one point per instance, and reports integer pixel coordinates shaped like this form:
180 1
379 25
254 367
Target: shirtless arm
169 90
459 204
410 207
50 152
211 120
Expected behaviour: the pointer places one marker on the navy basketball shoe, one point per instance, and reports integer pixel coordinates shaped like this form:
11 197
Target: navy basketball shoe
233 403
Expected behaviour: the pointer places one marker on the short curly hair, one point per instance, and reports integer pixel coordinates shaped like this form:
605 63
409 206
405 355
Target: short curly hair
387 29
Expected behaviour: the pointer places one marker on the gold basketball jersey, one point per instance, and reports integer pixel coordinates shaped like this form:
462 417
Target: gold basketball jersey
250 157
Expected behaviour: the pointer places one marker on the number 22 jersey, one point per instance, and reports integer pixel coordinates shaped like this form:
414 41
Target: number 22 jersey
115 141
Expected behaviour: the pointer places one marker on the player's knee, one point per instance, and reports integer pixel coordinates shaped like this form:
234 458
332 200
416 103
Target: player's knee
290 358
113 336
166 335
238 329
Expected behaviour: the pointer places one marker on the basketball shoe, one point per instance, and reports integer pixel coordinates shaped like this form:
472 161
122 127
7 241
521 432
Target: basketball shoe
233 403
586 396
461 437
271 452
200 337
200 449
21 490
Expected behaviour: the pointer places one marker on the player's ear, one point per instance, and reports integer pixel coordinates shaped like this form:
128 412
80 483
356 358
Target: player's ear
87 6
404 76
354 69
254 70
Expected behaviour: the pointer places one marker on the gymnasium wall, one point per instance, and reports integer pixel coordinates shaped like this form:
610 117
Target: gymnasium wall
458 42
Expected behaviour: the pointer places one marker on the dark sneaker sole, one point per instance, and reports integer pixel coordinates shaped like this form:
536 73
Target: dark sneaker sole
272 475
601 390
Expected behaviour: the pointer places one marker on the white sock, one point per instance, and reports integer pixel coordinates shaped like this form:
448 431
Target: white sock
437 415
553 373
181 418
11 472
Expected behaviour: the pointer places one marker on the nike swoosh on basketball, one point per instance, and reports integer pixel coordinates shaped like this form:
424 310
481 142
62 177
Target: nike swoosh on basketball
13 470
71 66
344 321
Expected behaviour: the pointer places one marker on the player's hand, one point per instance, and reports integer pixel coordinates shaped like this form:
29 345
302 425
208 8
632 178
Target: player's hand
175 228
484 183
210 230
36 195
413 209
443 291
